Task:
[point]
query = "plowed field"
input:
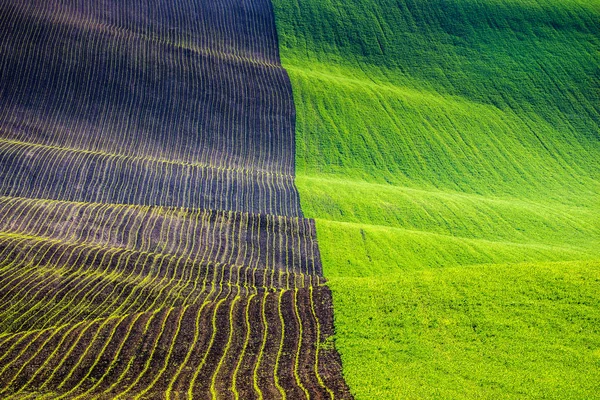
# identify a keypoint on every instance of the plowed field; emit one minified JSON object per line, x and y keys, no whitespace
{"x":152,"y":243}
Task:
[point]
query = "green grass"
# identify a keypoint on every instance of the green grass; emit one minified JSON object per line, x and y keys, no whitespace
{"x":450,"y":153}
{"x":473,"y":332}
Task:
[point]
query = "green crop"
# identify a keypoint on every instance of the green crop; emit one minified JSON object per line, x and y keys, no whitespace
{"x":449,"y":151}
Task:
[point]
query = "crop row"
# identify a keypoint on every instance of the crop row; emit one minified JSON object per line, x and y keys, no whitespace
{"x":152,"y":243}
{"x":268,"y":338}
{"x":68,"y":262}
{"x":235,"y":238}
{"x":54,"y":173}
{"x":126,"y":117}
{"x":244,"y":29}
{"x":138,"y":96}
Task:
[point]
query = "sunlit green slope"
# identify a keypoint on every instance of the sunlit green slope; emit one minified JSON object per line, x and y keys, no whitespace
{"x":450,"y":153}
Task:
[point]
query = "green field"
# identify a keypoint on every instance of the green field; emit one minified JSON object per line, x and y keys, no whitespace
{"x":449,"y":151}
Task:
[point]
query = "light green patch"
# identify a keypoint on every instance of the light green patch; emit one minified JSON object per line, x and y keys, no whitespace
{"x":496,"y":331}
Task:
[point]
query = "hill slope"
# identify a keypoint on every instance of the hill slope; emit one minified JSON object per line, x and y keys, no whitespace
{"x":152,"y":243}
{"x":449,"y":151}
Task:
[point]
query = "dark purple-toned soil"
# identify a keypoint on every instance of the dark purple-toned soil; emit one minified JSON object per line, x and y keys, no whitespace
{"x":152,"y":243}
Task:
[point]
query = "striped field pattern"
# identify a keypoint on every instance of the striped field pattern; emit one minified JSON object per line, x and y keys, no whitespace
{"x":152,"y":243}
{"x":156,"y":103}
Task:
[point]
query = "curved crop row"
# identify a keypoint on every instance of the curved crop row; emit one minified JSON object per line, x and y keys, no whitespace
{"x":152,"y":242}
{"x":128,"y":356}
{"x":183,"y":232}
{"x":169,"y":155}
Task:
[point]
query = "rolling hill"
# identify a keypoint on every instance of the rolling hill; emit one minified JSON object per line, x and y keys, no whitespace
{"x":449,"y":152}
{"x":166,"y":168}
{"x":152,"y":243}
